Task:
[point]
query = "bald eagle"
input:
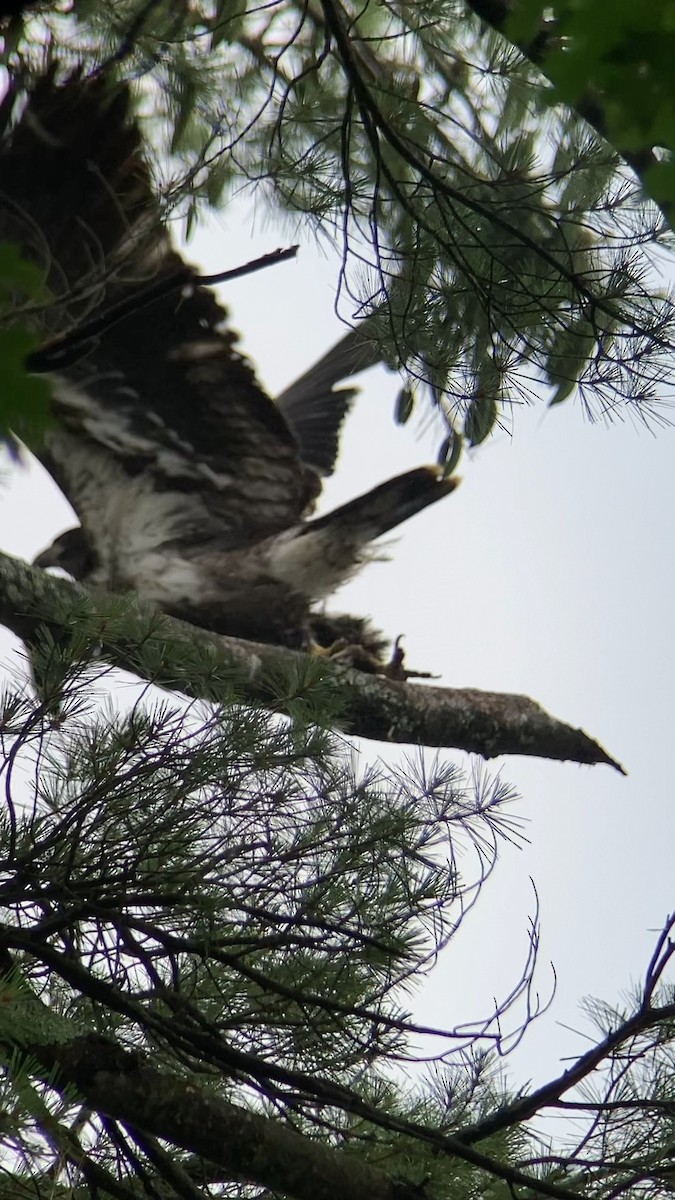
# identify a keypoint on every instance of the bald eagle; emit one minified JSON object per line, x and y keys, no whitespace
{"x":193,"y":488}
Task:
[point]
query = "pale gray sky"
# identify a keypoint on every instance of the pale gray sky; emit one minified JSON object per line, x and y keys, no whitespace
{"x":550,"y":572}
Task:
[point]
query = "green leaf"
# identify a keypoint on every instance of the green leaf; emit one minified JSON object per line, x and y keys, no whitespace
{"x":660,"y":181}
{"x":17,"y":274}
{"x":405,"y":403}
{"x":24,"y":398}
{"x":480,"y":418}
{"x":525,"y":21}
{"x":562,"y":392}
{"x":568,"y":357}
{"x":218,"y":178}
{"x":450,"y":452}
{"x":191,"y":219}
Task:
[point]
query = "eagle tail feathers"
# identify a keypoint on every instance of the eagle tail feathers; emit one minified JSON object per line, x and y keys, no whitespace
{"x":316,"y":558}
{"x":389,"y":504}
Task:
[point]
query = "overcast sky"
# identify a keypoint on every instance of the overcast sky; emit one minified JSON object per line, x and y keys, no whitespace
{"x":549,"y":573}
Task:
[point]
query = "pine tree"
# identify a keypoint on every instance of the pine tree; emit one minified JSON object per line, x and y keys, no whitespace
{"x":213,"y":919}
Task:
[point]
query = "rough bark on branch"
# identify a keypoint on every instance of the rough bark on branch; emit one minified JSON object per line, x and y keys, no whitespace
{"x":188,"y":1113}
{"x":251,"y":1147}
{"x":484,"y":723}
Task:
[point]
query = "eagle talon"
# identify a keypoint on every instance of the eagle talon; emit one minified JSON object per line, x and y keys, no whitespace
{"x":395,"y":669}
{"x":332,"y":651}
{"x":361,"y":658}
{"x":351,"y":654}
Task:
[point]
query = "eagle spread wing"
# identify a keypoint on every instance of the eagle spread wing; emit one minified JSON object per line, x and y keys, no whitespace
{"x":192,"y":487}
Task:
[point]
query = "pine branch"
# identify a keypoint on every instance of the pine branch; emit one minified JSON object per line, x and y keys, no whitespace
{"x":252,"y":1147}
{"x":589,"y":106}
{"x":188,"y":1113}
{"x":645,"y":1017}
{"x":379,"y":129}
{"x":154,"y":646}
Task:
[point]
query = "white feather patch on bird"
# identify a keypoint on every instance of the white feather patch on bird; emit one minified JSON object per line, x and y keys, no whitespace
{"x":137,"y":524}
{"x":316,"y":562}
{"x":166,"y":578}
{"x":113,"y":427}
{"x":196,"y":351}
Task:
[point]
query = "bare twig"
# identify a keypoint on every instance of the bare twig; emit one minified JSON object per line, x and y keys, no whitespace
{"x":65,"y":349}
{"x":645,"y":1017}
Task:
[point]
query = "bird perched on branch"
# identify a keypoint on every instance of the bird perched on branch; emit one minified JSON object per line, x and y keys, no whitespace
{"x":193,"y":488}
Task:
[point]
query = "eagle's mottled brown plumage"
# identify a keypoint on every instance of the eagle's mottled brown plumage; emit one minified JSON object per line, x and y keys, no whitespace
{"x":192,"y":487}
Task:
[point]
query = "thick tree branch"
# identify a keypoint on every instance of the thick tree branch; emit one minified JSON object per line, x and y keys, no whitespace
{"x":188,"y":1113}
{"x":251,"y":1147}
{"x":484,"y":723}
